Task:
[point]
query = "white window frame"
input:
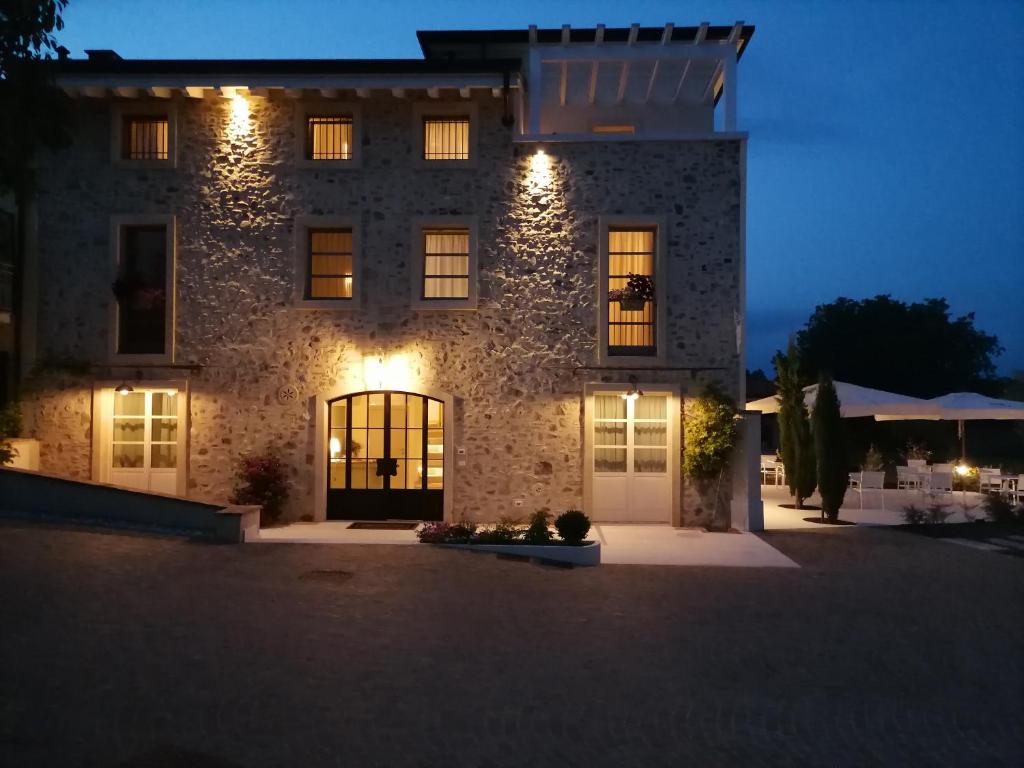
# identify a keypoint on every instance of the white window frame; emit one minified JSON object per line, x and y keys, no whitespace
{"x":422,"y":110}
{"x":421,"y":223}
{"x":103,"y":394}
{"x":302,"y":226}
{"x":308,"y":109}
{"x":120,"y":110}
{"x":657,"y":223}
{"x":117,"y":225}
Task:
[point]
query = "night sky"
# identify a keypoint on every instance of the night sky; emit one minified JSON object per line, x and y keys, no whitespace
{"x":886,"y":138}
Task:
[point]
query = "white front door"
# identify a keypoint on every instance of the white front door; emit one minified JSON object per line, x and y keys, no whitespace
{"x":144,"y":444}
{"x":631,"y":458}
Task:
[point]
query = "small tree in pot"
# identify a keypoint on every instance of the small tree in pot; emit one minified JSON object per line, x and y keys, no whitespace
{"x":709,"y":433}
{"x":830,"y":449}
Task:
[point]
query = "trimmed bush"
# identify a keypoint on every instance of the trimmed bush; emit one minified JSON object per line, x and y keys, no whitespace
{"x":830,"y":450}
{"x":538,"y":531}
{"x":573,"y":526}
{"x":796,"y":444}
{"x":1001,"y":510}
{"x":262,"y":481}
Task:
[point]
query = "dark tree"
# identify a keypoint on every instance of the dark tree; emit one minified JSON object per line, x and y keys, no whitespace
{"x":914,"y":349}
{"x":34,"y":114}
{"x":796,"y":444}
{"x":830,"y":450}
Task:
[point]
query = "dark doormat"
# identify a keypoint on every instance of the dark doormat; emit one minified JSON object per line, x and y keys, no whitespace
{"x":384,"y":526}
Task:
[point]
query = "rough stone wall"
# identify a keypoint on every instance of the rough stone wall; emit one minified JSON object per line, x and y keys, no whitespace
{"x":513,"y":365}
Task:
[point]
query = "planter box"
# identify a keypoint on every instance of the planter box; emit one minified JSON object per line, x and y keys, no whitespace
{"x":632,"y":305}
{"x":588,"y":553}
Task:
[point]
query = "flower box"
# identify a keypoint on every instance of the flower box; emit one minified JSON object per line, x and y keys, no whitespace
{"x":632,"y":304}
{"x":585,"y":554}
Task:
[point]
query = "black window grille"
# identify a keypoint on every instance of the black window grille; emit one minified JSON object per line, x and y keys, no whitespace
{"x":632,"y":324}
{"x":446,"y":138}
{"x":328,"y":137}
{"x":330,"y":264}
{"x":145,"y":137}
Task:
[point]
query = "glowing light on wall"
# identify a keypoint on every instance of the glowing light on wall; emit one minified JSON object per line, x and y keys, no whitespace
{"x":335,"y":447}
{"x":239,"y":123}
{"x":539,"y":176}
{"x":386,"y":372}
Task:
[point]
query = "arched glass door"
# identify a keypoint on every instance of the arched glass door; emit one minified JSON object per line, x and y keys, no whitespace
{"x":385,"y":457}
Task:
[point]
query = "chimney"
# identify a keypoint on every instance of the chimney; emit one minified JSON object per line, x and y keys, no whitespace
{"x":102,"y":55}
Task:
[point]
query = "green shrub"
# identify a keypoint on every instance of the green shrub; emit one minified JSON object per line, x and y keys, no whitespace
{"x":461,"y":532}
{"x":262,"y":480}
{"x":796,"y":443}
{"x":938,"y":513}
{"x":914,"y":515}
{"x":573,"y":526}
{"x":538,"y":532}
{"x":710,"y":434}
{"x":1000,"y":510}
{"x":505,"y":531}
{"x":10,"y":426}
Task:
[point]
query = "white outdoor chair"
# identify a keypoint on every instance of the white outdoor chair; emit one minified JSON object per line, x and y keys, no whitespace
{"x":990,"y":479}
{"x":921,"y":465}
{"x":943,"y":468}
{"x":854,"y":484}
{"x":907,"y":478}
{"x":1013,"y":489}
{"x":872,"y":481}
{"x":769,"y":468}
{"x":940,"y":482}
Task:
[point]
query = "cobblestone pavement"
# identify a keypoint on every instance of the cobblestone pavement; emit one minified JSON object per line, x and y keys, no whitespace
{"x":129,"y":650}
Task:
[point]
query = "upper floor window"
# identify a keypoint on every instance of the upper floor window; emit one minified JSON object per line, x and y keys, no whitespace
{"x":631,"y":297}
{"x":145,"y":137}
{"x":446,"y":137}
{"x":140,"y":288}
{"x":328,"y":137}
{"x":446,"y":263}
{"x":329,"y":273}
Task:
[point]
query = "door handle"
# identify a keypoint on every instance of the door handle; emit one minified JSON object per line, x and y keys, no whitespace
{"x":388,"y":467}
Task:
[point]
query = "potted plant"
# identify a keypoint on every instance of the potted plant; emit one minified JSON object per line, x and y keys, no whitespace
{"x":639,"y":289}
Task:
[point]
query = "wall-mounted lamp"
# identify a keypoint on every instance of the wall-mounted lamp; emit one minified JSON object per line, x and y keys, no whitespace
{"x":124,"y":388}
{"x":386,"y":372}
{"x":634,"y":392}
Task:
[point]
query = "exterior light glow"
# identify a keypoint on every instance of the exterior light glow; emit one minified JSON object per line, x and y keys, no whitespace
{"x":380,"y":372}
{"x":238,"y":121}
{"x":539,"y":176}
{"x":634,"y":392}
{"x":124,"y":388}
{"x":335,"y":447}
{"x":962,"y":469}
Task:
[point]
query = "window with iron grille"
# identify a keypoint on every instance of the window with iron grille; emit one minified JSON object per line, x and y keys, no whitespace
{"x":141,"y":290}
{"x":446,"y":138}
{"x":330,"y":264}
{"x":328,"y":137}
{"x":145,"y":137}
{"x":446,"y":263}
{"x":631,"y":323}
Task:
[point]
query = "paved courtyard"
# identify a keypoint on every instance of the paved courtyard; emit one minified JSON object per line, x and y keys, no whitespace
{"x":884,"y":648}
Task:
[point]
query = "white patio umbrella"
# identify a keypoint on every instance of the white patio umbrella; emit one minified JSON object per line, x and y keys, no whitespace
{"x":856,"y":402}
{"x":961,"y":407}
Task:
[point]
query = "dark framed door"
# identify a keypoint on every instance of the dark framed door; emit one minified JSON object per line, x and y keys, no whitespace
{"x":385,"y":457}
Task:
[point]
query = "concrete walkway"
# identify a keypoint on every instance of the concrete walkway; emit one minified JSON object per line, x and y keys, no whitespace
{"x":963,"y":507}
{"x":620,"y":544}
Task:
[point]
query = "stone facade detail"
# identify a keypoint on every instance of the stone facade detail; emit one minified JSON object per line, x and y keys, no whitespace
{"x":516,"y":366}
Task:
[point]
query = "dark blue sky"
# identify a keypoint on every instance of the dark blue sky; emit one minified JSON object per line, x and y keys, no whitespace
{"x":886,"y":138}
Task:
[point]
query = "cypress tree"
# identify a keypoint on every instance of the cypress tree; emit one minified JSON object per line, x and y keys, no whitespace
{"x":830,"y":449}
{"x":796,"y":443}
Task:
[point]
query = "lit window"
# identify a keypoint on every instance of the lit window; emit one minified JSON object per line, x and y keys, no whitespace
{"x":631,"y":318}
{"x":330,"y":264}
{"x":446,"y":138}
{"x":626,"y":129}
{"x":144,"y":137}
{"x":328,"y":138}
{"x":141,"y":291}
{"x":446,"y":263}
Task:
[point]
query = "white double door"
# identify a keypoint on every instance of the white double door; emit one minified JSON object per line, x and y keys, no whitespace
{"x":144,"y":443}
{"x":632,"y":458}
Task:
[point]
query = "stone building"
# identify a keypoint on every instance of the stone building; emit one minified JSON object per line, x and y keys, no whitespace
{"x":411,"y":279}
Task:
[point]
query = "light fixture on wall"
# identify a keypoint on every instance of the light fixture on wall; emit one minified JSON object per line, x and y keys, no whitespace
{"x":539,"y":175}
{"x":124,"y":388}
{"x":386,"y":372}
{"x":634,"y":392}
